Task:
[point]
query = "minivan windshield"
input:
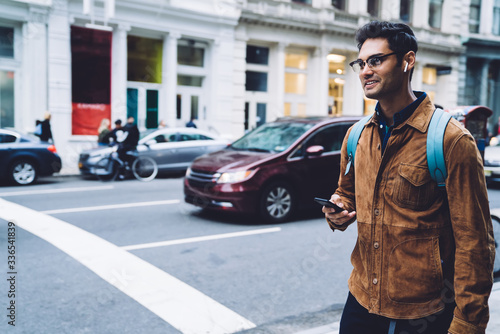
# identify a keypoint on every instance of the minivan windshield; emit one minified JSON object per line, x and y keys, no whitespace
{"x":272,"y":137}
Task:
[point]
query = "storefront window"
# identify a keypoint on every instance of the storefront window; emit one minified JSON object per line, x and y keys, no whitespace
{"x":435,"y":13}
{"x":474,"y":15}
{"x":6,"y":99}
{"x":144,"y":59}
{"x":257,"y":55}
{"x":335,"y":96}
{"x":496,"y":18}
{"x":336,"y":64}
{"x":295,"y":83}
{"x":190,"y":55}
{"x":405,"y":10}
{"x":256,"y":81}
{"x":6,"y":42}
{"x":91,"y":79}
{"x":296,"y":60}
{"x":429,"y":75}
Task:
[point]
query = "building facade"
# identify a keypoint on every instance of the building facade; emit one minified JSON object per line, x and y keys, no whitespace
{"x":229,"y":64}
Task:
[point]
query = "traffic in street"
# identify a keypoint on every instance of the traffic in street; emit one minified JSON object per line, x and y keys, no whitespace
{"x":132,"y":257}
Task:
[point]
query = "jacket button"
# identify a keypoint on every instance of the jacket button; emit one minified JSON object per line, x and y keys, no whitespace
{"x":376,"y":245}
{"x":377,"y":212}
{"x":375,"y":281}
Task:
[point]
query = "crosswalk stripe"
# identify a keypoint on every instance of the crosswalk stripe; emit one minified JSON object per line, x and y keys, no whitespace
{"x":111,"y":207}
{"x":177,"y":303}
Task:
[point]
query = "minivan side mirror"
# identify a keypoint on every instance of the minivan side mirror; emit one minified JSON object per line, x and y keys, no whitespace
{"x":315,"y":150}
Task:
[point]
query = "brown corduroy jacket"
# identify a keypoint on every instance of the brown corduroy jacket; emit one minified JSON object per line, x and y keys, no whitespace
{"x":418,"y":246}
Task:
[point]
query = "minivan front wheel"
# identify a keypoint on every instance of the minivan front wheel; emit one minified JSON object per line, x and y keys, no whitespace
{"x":277,"y":202}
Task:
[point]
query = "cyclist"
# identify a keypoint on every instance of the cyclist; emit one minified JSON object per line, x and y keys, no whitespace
{"x":127,"y":141}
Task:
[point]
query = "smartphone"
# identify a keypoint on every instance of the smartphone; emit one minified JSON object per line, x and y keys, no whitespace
{"x":328,"y":204}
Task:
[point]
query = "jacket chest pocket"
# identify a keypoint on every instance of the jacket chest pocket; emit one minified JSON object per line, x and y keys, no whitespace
{"x":414,"y":188}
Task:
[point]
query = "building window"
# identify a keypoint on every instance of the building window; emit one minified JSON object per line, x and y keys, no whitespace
{"x":257,"y":55}
{"x":296,"y":83}
{"x":144,"y":59}
{"x":435,"y":13}
{"x":256,"y":81}
{"x":6,"y":99}
{"x":189,"y":80}
{"x":405,"y":10}
{"x":305,"y":2}
{"x":339,"y":4}
{"x":496,"y":18}
{"x":190,"y":55}
{"x":373,"y":7}
{"x":429,"y":80}
{"x":474,"y":16}
{"x":6,"y":42}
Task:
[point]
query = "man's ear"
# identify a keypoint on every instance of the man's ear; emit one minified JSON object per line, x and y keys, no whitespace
{"x":409,"y":61}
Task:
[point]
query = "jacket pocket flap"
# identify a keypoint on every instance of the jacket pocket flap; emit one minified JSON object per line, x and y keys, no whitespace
{"x":416,"y":175}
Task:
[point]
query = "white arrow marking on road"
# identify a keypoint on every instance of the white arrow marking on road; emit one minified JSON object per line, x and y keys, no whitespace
{"x":110,"y":207}
{"x":179,"y":304}
{"x":204,"y":238}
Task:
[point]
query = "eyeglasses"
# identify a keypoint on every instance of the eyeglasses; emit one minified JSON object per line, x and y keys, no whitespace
{"x":358,"y":65}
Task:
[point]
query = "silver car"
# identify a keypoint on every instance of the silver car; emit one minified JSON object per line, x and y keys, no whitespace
{"x":173,"y":149}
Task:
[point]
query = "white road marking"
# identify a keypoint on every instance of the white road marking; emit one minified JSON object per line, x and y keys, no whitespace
{"x":53,"y":191}
{"x":111,"y":207}
{"x":204,"y":238}
{"x":182,"y":306}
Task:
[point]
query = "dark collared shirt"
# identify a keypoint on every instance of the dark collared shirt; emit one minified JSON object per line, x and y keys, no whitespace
{"x":400,"y":117}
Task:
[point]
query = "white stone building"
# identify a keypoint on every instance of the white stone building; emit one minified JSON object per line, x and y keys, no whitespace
{"x":231,"y":64}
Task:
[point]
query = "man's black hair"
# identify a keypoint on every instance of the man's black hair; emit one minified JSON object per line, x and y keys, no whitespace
{"x":118,"y":122}
{"x":399,"y":35}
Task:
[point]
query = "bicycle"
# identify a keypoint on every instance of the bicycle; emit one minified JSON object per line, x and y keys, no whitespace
{"x":142,"y":167}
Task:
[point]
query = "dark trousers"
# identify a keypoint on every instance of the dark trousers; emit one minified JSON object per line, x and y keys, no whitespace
{"x":356,"y":319}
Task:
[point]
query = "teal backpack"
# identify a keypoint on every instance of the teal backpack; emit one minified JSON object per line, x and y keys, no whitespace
{"x":435,"y":138}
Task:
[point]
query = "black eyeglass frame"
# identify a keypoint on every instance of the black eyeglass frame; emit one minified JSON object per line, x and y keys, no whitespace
{"x":361,"y":63}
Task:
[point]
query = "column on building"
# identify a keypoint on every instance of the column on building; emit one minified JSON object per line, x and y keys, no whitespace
{"x":34,"y":80}
{"x":486,"y":17}
{"x":420,"y":15}
{"x":280,"y":77}
{"x":318,"y":99}
{"x":483,"y":89}
{"x":168,"y":96}
{"x":389,"y":10}
{"x":353,"y":92}
{"x":119,"y":73}
{"x":357,"y":7}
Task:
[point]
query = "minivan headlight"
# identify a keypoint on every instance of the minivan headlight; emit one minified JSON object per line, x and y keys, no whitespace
{"x":234,"y":177}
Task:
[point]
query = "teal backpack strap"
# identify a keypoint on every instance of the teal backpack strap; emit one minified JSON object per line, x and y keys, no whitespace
{"x":435,"y":151}
{"x":352,"y":140}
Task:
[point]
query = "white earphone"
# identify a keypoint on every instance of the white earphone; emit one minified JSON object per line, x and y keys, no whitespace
{"x":406,"y":67}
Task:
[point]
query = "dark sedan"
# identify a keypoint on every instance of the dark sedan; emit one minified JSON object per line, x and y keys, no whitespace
{"x":173,"y":149}
{"x":24,"y":158}
{"x":273,"y":170}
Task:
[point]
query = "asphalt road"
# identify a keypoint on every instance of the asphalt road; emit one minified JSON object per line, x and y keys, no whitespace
{"x":260,"y":278}
{"x":132,"y":257}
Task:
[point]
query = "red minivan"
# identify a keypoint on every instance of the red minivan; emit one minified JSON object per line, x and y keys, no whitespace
{"x":272,"y":170}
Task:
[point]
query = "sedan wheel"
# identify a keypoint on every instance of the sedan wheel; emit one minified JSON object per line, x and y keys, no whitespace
{"x":23,"y":172}
{"x":277,"y":203}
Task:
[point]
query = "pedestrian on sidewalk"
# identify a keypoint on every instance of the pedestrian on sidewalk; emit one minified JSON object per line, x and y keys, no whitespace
{"x":423,"y":260}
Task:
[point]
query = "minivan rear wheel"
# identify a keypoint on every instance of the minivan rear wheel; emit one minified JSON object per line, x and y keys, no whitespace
{"x":277,"y":202}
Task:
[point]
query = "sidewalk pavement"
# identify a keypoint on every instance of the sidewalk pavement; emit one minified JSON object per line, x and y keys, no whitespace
{"x":493,"y":324}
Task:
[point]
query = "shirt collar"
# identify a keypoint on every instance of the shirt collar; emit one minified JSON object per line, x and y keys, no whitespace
{"x":401,"y":116}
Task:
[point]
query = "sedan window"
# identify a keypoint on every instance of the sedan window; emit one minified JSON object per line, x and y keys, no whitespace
{"x":272,"y":137}
{"x":6,"y":138}
{"x":330,"y":138}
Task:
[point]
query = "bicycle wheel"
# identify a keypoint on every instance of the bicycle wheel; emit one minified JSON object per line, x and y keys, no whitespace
{"x":144,"y":169}
{"x":106,"y":169}
{"x":496,"y":234}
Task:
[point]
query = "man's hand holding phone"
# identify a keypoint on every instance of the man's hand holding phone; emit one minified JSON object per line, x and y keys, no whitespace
{"x":335,"y":214}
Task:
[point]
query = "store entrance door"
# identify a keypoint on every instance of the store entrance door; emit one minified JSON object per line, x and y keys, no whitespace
{"x":189,"y":106}
{"x":142,"y":104}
